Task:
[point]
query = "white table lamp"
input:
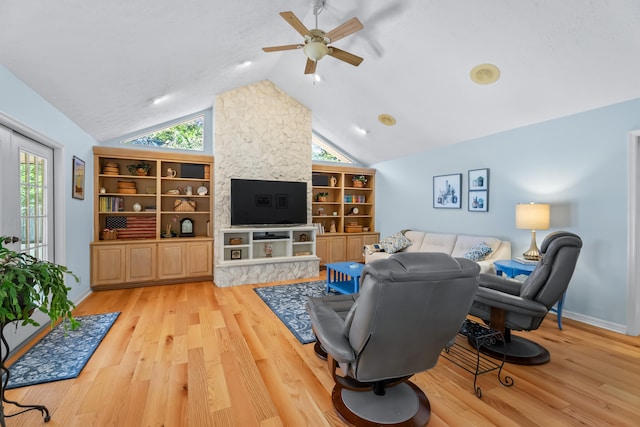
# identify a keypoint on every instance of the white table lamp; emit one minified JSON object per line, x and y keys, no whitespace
{"x":532,"y":216}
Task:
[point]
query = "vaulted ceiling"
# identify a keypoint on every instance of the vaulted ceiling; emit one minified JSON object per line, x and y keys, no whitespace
{"x":103,"y":63}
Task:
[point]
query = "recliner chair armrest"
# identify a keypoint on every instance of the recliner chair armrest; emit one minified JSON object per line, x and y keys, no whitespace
{"x":507,"y":302}
{"x":501,"y":284}
{"x":329,"y":328}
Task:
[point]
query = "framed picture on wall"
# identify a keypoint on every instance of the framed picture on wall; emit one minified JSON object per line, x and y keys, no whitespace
{"x":478,"y":201}
{"x":478,"y":179}
{"x":446,"y":191}
{"x":78,"y":179}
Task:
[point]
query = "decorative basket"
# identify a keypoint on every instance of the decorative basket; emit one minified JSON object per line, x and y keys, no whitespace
{"x":184,"y":205}
{"x":109,"y":235}
{"x":235,"y":240}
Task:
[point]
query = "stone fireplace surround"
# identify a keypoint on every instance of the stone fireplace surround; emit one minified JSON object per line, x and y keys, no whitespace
{"x":260,"y":133}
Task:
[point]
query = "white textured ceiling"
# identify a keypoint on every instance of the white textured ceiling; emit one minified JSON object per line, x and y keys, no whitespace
{"x":102,"y":62}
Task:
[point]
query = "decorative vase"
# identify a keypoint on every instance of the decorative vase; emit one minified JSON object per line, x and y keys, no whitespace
{"x":358,"y":184}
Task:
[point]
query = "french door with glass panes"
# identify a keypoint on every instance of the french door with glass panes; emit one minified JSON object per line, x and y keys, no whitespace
{"x":26,"y":195}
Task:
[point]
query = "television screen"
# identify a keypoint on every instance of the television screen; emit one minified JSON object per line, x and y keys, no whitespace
{"x":259,"y":202}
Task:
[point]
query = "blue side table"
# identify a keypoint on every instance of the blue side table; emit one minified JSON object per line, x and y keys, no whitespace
{"x":513,"y":268}
{"x":344,"y":277}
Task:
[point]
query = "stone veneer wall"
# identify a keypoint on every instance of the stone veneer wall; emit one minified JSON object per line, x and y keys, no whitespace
{"x":260,"y":133}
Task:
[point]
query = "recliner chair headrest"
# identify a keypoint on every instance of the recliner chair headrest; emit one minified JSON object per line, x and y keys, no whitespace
{"x":408,"y":266}
{"x":565,"y":237}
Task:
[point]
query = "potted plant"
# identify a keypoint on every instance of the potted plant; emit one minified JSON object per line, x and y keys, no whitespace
{"x":359,"y":181}
{"x":28,"y":284}
{"x":141,"y":168}
{"x":322,"y":196}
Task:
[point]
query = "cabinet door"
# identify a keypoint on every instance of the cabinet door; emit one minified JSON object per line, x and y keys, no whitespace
{"x":354,"y":248}
{"x":322,"y":249}
{"x":107,"y":265}
{"x":141,"y":262}
{"x":172,"y":260}
{"x":199,"y":259}
{"x":338,"y":249}
{"x":370,"y":239}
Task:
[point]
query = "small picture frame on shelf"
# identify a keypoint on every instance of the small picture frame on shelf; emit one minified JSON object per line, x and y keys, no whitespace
{"x":478,"y":179}
{"x":478,"y":201}
{"x":236,"y":253}
{"x":446,"y":191}
{"x":186,"y":227}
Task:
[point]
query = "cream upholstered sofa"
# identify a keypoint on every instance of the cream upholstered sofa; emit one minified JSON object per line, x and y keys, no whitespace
{"x":456,"y":245}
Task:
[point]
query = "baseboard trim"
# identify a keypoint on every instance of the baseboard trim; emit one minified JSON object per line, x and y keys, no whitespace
{"x":615,"y":327}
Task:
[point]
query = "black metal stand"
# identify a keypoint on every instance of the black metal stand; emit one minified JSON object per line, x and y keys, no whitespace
{"x":4,"y":371}
{"x":470,"y":359}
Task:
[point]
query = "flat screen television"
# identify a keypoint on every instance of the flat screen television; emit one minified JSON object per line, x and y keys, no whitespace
{"x":266,"y":203}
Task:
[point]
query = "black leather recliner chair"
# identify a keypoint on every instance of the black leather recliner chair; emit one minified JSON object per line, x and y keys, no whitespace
{"x":508,"y":305}
{"x":409,"y":307}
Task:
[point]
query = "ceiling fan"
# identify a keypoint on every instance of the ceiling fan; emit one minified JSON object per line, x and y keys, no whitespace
{"x":316,"y":41}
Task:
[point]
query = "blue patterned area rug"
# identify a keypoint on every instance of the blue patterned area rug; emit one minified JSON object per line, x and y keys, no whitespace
{"x":287,"y":302}
{"x":61,"y":354}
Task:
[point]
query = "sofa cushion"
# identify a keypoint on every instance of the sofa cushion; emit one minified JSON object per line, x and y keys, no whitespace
{"x":416,"y":238}
{"x":394,"y":243}
{"x":465,"y":243}
{"x":478,"y":252}
{"x":436,"y":242}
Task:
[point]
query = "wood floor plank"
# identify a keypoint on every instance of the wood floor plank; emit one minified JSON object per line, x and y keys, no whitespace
{"x":198,"y":355}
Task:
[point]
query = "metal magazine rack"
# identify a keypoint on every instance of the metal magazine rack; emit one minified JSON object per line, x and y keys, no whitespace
{"x":470,"y":359}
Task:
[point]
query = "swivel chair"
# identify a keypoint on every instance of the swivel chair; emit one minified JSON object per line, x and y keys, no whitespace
{"x":508,"y":305}
{"x":408,"y":308}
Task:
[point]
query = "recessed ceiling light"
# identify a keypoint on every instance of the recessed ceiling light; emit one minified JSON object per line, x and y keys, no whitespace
{"x":245,"y":64}
{"x":361,"y":131}
{"x":159,"y":99}
{"x":485,"y":74}
{"x":387,"y":119}
{"x":317,"y":78}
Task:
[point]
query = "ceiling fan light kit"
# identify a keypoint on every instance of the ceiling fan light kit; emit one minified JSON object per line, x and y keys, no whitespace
{"x":485,"y":74}
{"x":316,"y":42}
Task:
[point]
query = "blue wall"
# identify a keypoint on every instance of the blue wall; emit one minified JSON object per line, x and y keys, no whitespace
{"x":578,"y":164}
{"x":25,"y":106}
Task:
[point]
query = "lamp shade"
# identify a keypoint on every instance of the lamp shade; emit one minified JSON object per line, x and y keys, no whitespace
{"x":533,"y":216}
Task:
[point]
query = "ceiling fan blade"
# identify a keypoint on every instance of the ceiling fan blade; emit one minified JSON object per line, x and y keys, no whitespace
{"x":345,"y":56}
{"x":295,"y":23}
{"x":341,"y":31}
{"x":310,"y":68}
{"x":283,"y":47}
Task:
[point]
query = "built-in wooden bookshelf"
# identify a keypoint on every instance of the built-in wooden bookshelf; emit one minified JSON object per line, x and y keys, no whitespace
{"x":154,"y":225}
{"x":343,"y":207}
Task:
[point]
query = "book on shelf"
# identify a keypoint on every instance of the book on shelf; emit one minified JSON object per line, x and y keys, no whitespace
{"x":525,"y":261}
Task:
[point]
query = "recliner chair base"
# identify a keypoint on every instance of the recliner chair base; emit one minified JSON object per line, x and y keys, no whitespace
{"x":402,"y":405}
{"x":517,"y":350}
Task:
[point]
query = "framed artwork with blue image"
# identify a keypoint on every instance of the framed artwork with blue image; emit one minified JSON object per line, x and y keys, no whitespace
{"x":447,"y":191}
{"x":478,"y":201}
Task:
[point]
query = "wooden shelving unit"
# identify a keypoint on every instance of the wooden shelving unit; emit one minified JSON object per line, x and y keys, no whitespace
{"x":342,"y":204}
{"x":133,"y":214}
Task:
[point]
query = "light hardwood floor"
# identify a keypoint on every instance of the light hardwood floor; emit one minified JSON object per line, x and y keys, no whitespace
{"x":199,"y":355}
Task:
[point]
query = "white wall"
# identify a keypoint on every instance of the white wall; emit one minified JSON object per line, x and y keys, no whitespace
{"x":578,"y":164}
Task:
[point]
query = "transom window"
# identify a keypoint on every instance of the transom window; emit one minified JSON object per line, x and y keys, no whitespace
{"x":187,"y":135}
{"x":324,"y":151}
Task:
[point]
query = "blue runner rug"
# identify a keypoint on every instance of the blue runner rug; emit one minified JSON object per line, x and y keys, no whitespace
{"x":61,"y":354}
{"x":287,"y":302}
